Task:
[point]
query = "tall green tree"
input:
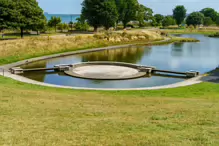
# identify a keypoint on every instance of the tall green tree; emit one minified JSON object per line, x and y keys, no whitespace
{"x":209,"y":12}
{"x":28,"y":15}
{"x":7,"y":13}
{"x":217,"y":21}
{"x":158,"y":19}
{"x":179,"y":14}
{"x":143,"y":14}
{"x":127,"y":10}
{"x":81,"y":24}
{"x":109,"y":14}
{"x":54,"y":22}
{"x":41,"y":25}
{"x":100,"y":13}
{"x":168,"y":20}
{"x":195,"y":18}
{"x":208,"y":21}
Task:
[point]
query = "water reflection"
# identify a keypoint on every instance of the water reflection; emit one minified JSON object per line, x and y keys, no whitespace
{"x":129,"y":55}
{"x":177,"y":49}
{"x":38,"y":76}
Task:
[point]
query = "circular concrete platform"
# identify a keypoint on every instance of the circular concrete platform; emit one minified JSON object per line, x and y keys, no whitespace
{"x":105,"y":71}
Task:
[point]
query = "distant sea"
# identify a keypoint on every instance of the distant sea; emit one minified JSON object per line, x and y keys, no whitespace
{"x":66,"y":18}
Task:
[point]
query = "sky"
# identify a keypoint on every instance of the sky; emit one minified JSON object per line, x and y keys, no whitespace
{"x":163,"y":7}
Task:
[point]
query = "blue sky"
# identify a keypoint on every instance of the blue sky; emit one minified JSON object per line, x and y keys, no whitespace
{"x":159,"y":6}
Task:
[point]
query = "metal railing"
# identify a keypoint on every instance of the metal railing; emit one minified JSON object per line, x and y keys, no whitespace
{"x":2,"y":71}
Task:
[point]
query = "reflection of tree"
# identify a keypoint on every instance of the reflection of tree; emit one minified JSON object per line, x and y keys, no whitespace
{"x":177,"y":49}
{"x":129,"y":55}
{"x":38,"y":64}
{"x":38,"y":75}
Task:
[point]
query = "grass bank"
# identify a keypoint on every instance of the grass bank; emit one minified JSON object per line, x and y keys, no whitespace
{"x":36,"y":115}
{"x":20,"y":49}
{"x":204,"y":31}
{"x":215,"y":35}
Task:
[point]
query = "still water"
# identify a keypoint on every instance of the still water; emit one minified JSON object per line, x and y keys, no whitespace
{"x":202,"y":57}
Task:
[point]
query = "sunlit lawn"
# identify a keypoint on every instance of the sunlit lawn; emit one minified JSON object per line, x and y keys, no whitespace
{"x":35,"y":115}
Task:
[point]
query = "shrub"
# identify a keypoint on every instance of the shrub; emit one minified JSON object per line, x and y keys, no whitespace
{"x":215,"y":35}
{"x":130,"y":25}
{"x":191,"y":27}
{"x":82,"y":26}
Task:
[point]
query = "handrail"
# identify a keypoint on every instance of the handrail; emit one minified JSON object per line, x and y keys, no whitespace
{"x":3,"y":71}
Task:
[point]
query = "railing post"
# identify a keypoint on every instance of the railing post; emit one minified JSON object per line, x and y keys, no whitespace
{"x":3,"y":71}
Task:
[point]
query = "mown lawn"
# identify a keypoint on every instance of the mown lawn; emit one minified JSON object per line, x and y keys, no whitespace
{"x":36,"y":115}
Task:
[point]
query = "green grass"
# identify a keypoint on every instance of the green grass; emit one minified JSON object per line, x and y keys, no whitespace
{"x":189,"y":31}
{"x":36,"y":115}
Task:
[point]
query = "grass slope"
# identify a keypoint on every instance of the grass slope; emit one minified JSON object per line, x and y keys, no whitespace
{"x":36,"y":115}
{"x":206,"y":31}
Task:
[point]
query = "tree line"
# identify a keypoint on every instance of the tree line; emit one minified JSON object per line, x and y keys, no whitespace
{"x":27,"y":15}
{"x":108,"y":13}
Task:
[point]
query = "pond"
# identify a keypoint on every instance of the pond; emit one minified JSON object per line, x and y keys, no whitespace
{"x":202,"y":57}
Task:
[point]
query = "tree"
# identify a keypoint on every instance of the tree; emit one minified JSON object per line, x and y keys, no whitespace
{"x":143,"y":14}
{"x":6,"y":11}
{"x":179,"y":14}
{"x":127,"y":10}
{"x":109,"y":14}
{"x":54,"y":22}
{"x":100,"y":13}
{"x":81,"y":24}
{"x":217,"y":21}
{"x":208,"y":21}
{"x":28,"y":15}
{"x":168,"y":20}
{"x":41,"y":25}
{"x":63,"y":26}
{"x":71,"y":25}
{"x":209,"y":12}
{"x":22,"y":14}
{"x":158,"y":18}
{"x":195,"y":18}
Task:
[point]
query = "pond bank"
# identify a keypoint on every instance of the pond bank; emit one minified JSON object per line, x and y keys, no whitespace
{"x":165,"y":41}
{"x":21,"y":49}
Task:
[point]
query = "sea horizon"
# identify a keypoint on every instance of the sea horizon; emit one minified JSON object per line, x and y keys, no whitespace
{"x":66,"y":18}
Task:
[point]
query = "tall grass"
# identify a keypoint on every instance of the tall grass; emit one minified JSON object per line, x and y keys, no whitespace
{"x":205,"y":31}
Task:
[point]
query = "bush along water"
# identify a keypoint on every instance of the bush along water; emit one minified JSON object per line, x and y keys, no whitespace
{"x":215,"y":35}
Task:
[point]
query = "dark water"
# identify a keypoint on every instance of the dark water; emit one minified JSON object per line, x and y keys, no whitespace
{"x":66,"y":18}
{"x":202,"y":57}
